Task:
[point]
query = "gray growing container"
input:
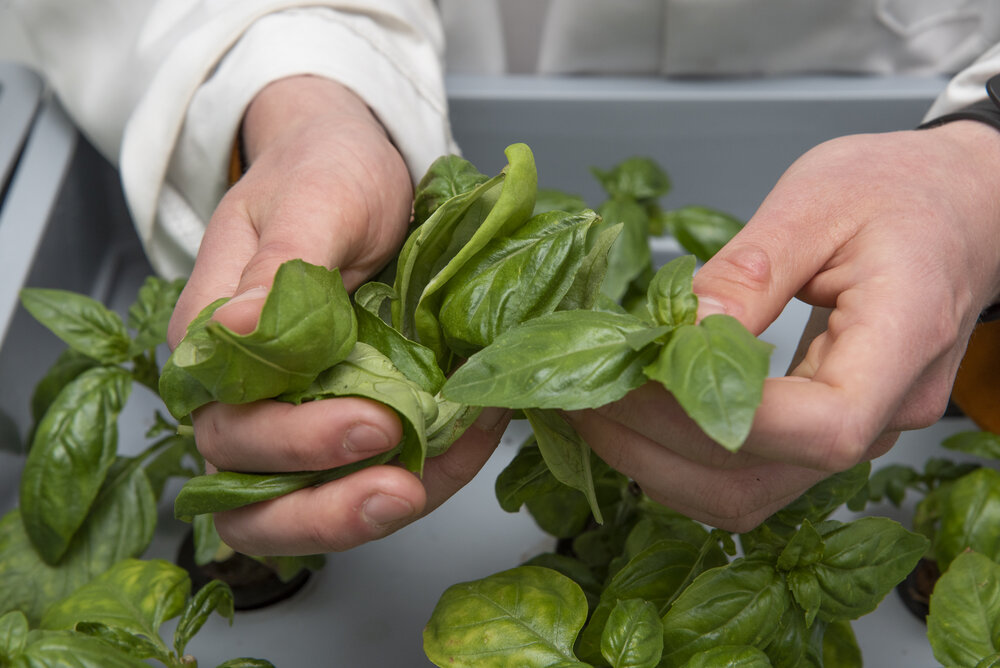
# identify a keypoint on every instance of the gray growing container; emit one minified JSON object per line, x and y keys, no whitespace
{"x":63,"y":224}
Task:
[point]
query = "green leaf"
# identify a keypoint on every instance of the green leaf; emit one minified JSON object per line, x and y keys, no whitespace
{"x":207,"y":541}
{"x":656,"y":575}
{"x":227,"y":490}
{"x":447,"y":177}
{"x":453,"y":419}
{"x":85,"y":324}
{"x":840,"y":646}
{"x":526,"y":477}
{"x":548,"y":199}
{"x":565,"y":453}
{"x":891,"y":482}
{"x":969,"y":517}
{"x":127,"y":643}
{"x":639,"y":178}
{"x":730,"y":656}
{"x":585,"y":290}
{"x":862,"y":562}
{"x":135,"y":596}
{"x":804,"y":549}
{"x":566,"y":359}
{"x":72,"y":450}
{"x":979,"y":443}
{"x":702,"y":231}
{"x":216,"y":596}
{"x":490,"y":295}
{"x":120,"y":525}
{"x":716,"y":371}
{"x":68,"y":649}
{"x":630,"y":254}
{"x":633,"y":635}
{"x":414,"y":361}
{"x":738,"y":604}
{"x":575,"y":570}
{"x":816,"y":504}
{"x":805,"y":587}
{"x":512,"y":208}
{"x":150,"y":314}
{"x":13,"y":635}
{"x":670,"y":297}
{"x":307,"y":325}
{"x":526,"y":616}
{"x":964,"y":621}
{"x":368,"y":373}
{"x":70,"y":364}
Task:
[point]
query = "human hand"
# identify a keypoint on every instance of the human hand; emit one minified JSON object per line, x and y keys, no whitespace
{"x":325,"y":184}
{"x":896,"y":238}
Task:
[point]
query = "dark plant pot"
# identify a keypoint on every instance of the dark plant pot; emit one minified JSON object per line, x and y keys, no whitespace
{"x":916,"y":589}
{"x":254,"y":584}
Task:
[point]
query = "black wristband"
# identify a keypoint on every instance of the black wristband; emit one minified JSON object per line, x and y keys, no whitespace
{"x":985,"y":111}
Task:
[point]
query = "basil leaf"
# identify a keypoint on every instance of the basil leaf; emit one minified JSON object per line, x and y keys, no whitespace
{"x":13,"y":635}
{"x":630,"y":254}
{"x":227,"y":490}
{"x":513,"y":206}
{"x":72,"y":450}
{"x":150,"y":314}
{"x":566,"y":360}
{"x":585,"y":290}
{"x":447,"y":177}
{"x":633,"y":635}
{"x":119,"y":525}
{"x":738,"y":604}
{"x":70,"y":364}
{"x":85,"y":324}
{"x":215,"y":596}
{"x":368,"y":373}
{"x":862,"y":561}
{"x":307,"y":325}
{"x":526,"y":477}
{"x":840,"y":646}
{"x":415,"y":361}
{"x":700,"y":230}
{"x":127,"y":643}
{"x":488,"y":294}
{"x":566,"y":454}
{"x":969,"y":516}
{"x":526,"y":616}
{"x":575,"y":570}
{"x":731,"y":656}
{"x":207,"y":541}
{"x":453,"y":419}
{"x":549,"y":199}
{"x":716,"y":371}
{"x":979,"y":443}
{"x":135,"y":596}
{"x":964,"y":621}
{"x":68,"y":649}
{"x":655,"y":575}
{"x":639,"y":178}
{"x":670,"y":298}
{"x":804,"y":549}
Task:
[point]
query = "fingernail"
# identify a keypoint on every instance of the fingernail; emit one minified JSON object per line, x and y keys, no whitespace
{"x":709,"y":306}
{"x":364,"y":438}
{"x":382,"y":509}
{"x":491,"y":419}
{"x":260,"y":292}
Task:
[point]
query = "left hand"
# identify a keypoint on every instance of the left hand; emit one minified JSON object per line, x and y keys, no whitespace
{"x":898,"y":235}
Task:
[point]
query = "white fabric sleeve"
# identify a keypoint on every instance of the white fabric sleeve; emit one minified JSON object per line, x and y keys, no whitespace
{"x":968,"y":86}
{"x":160,"y":86}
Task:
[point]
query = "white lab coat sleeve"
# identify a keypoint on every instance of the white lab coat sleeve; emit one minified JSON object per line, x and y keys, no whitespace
{"x":160,"y":87}
{"x":968,"y":86}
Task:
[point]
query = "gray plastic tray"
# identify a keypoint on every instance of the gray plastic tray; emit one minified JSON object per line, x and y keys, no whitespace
{"x":724,"y":143}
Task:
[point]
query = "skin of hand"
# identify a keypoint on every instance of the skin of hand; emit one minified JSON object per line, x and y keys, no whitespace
{"x":325,"y":184}
{"x":895,"y":240}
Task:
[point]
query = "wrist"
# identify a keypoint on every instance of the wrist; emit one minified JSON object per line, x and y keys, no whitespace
{"x":287,"y":107}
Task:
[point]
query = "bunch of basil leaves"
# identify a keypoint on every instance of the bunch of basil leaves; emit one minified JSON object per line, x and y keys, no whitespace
{"x":496,"y":299}
{"x":74,"y":589}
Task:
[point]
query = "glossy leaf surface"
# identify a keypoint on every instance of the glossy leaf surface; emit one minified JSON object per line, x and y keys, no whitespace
{"x":964,"y":621}
{"x":85,"y":324}
{"x":526,"y":616}
{"x":633,"y":635}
